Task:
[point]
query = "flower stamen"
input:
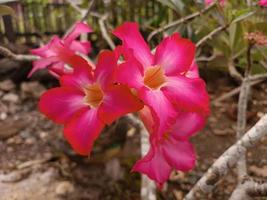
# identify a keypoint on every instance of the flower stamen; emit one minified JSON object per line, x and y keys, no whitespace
{"x":154,"y":77}
{"x":93,"y":95}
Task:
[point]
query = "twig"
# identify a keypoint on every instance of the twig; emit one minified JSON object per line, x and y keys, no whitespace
{"x":180,"y":21}
{"x":83,"y":13}
{"x":242,"y":115}
{"x":148,"y":187}
{"x":17,"y":57}
{"x":86,"y":14}
{"x":236,"y":91}
{"x":228,"y":159}
{"x":233,"y":72}
{"x":104,"y":31}
{"x":211,"y":34}
{"x":205,"y":59}
{"x":241,"y":125}
{"x":249,"y":189}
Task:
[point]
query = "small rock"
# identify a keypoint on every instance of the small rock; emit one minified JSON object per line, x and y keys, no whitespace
{"x":43,"y":135}
{"x":31,"y":89}
{"x":30,"y":141}
{"x":259,"y":171}
{"x":113,"y":169}
{"x":11,"y":97}
{"x":3,"y":115}
{"x":64,"y":187}
{"x":178,"y":194}
{"x":7,"y":85}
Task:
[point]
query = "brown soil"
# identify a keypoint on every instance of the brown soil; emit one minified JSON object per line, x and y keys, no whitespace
{"x":37,"y":163}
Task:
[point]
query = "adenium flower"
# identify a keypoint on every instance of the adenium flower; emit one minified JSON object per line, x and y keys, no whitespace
{"x":50,"y":56}
{"x":208,"y":2}
{"x":161,"y":80}
{"x":172,"y":150}
{"x":262,"y":2}
{"x":87,"y":100}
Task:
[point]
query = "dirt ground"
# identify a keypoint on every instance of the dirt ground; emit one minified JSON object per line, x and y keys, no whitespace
{"x":37,"y":163}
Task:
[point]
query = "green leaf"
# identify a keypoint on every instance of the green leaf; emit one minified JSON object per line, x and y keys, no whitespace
{"x":240,"y":17}
{"x":6,"y":10}
{"x":176,"y":5}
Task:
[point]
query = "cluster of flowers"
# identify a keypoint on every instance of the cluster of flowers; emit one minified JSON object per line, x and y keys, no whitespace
{"x":163,"y":86}
{"x":222,"y":2}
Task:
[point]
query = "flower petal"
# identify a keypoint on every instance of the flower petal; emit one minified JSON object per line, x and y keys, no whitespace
{"x":187,"y":94}
{"x":162,"y":110}
{"x":81,"y":47}
{"x":147,"y":118}
{"x":82,"y":130}
{"x":118,"y":101}
{"x":129,"y":73}
{"x":59,"y":69}
{"x":179,"y":154}
{"x":154,"y":166}
{"x":132,"y":38}
{"x":193,"y":71}
{"x":175,"y":54}
{"x":59,"y":104}
{"x":106,"y":64}
{"x":187,"y":124}
{"x":77,"y":30}
{"x":42,"y":63}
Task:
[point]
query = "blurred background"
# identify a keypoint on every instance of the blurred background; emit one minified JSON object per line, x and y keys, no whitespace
{"x":35,"y":160}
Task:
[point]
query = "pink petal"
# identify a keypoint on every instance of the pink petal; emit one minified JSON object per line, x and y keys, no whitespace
{"x":106,"y":64}
{"x":45,"y":50}
{"x":77,"y":30}
{"x":187,"y":94}
{"x":179,"y":154}
{"x":59,"y":69}
{"x":175,"y":54}
{"x":154,"y":166}
{"x":118,"y":101}
{"x":81,"y":47}
{"x":80,"y":78}
{"x":162,"y":110}
{"x":147,"y":118}
{"x":262,"y":2}
{"x":187,"y":124}
{"x":42,"y":63}
{"x":59,"y":104}
{"x":132,"y":38}
{"x":82,"y":130}
{"x":193,"y":71}
{"x":129,"y":73}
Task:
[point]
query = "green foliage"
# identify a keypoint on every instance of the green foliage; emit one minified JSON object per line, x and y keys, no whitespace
{"x":230,"y":43}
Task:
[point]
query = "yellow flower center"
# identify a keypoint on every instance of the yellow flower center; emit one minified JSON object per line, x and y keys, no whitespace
{"x":93,"y":95}
{"x":154,"y":77}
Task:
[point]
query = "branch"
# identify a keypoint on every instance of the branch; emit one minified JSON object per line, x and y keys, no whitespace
{"x":237,"y":90}
{"x":249,"y":189}
{"x":104,"y":31}
{"x":233,"y":72}
{"x":148,"y":187}
{"x":180,"y":21}
{"x":228,"y":159}
{"x":17,"y":57}
{"x":86,"y":14}
{"x":211,"y":34}
{"x":241,"y":125}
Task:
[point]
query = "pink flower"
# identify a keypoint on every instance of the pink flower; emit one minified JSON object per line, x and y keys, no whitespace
{"x":87,"y":100}
{"x":262,"y":2}
{"x":162,"y":80}
{"x":172,"y":151}
{"x":50,"y":54}
{"x":208,"y":2}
